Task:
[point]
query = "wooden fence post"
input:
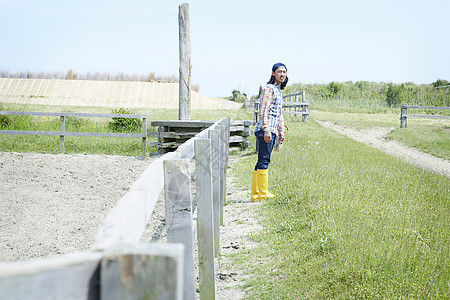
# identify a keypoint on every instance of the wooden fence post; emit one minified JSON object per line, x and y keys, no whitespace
{"x":142,"y":271}
{"x":184,"y":109}
{"x":177,"y":187}
{"x":226,"y":145}
{"x":306,"y":111}
{"x":221,"y":170}
{"x":215,"y":165}
{"x":144,"y":137}
{"x":205,"y":221}
{"x":62,"y":128}
{"x":404,"y":115}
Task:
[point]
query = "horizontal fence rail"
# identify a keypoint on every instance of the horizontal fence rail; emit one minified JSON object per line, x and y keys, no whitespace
{"x":404,"y":113}
{"x":118,"y":266}
{"x":63,"y":133}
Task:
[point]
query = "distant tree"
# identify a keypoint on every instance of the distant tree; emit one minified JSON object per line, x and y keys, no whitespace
{"x":237,"y":96}
{"x":440,"y":82}
{"x":393,"y":94}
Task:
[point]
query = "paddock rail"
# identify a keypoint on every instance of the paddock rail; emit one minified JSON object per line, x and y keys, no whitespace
{"x":62,"y":127}
{"x":118,"y":265}
{"x":404,"y":113}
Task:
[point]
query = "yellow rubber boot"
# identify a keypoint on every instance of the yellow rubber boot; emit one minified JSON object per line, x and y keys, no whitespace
{"x":263,"y":185}
{"x":255,"y":186}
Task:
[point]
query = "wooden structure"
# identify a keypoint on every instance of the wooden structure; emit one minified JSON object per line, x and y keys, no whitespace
{"x":404,"y":113}
{"x":117,"y":266}
{"x":291,"y":105}
{"x":62,"y":127}
{"x":184,"y":85}
{"x":171,"y":134}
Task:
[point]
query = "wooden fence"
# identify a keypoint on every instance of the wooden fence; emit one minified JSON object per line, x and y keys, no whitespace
{"x":404,"y":113}
{"x":119,"y":267}
{"x":62,"y":126}
{"x":291,"y":105}
{"x":171,"y":134}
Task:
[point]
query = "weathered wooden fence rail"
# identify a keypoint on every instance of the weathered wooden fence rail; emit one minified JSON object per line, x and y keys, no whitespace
{"x":62,"y":127}
{"x":291,"y":105}
{"x":404,"y":113}
{"x":171,"y":134}
{"x":118,"y":266}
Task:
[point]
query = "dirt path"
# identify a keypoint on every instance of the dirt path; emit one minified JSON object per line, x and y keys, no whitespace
{"x":375,"y":137}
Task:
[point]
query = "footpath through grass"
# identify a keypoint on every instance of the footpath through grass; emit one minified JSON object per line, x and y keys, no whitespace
{"x":348,"y":222}
{"x":428,"y":135}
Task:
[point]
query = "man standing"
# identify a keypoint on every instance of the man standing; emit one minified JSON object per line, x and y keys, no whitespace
{"x":270,"y":125}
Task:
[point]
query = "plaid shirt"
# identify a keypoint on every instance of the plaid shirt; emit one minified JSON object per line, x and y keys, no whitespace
{"x":270,"y":113}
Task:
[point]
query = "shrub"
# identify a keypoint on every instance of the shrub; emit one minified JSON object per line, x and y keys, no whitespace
{"x":334,"y":88}
{"x":237,"y":96}
{"x":5,"y":120}
{"x":124,"y":124}
{"x":393,"y":95}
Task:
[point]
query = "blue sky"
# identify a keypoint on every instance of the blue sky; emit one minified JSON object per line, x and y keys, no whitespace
{"x":234,"y":43}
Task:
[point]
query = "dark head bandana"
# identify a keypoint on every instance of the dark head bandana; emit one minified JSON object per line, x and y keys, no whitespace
{"x":277,"y":65}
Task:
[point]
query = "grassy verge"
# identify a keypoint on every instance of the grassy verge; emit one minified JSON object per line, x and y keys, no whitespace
{"x":428,"y":135}
{"x":90,"y":145}
{"x":349,"y":222}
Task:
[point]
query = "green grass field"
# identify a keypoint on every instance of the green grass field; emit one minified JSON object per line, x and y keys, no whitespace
{"x":348,"y":222}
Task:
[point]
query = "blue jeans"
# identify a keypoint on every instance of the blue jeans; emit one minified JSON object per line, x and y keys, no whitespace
{"x":264,"y":150}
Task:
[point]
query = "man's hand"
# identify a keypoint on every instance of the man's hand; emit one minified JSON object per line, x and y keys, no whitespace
{"x":267,"y":136}
{"x":281,"y":139}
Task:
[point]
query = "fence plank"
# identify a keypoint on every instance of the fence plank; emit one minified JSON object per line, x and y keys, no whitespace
{"x":72,"y":276}
{"x":205,"y":221}
{"x":128,"y":272}
{"x":177,"y":187}
{"x":68,"y":114}
{"x":68,"y":133}
{"x":221,"y":171}
{"x":215,"y":165}
{"x":127,"y":220}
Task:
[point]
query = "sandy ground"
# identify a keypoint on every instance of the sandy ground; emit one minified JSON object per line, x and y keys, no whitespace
{"x":375,"y":137}
{"x":116,"y":94}
{"x":54,"y":204}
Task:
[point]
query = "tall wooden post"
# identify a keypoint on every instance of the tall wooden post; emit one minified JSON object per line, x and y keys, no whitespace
{"x":184,"y":109}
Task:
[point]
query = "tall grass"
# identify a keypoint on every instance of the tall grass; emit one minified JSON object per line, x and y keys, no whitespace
{"x":348,"y":222}
{"x":103,"y":76}
{"x":373,"y":97}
